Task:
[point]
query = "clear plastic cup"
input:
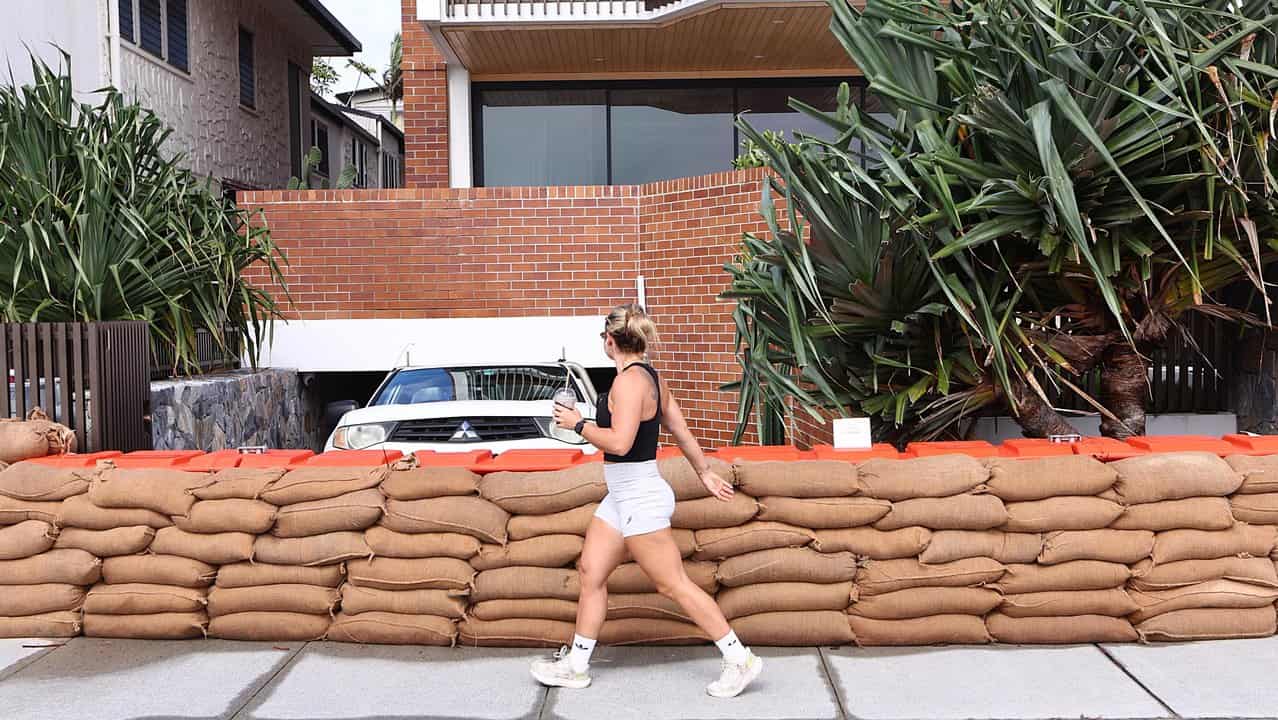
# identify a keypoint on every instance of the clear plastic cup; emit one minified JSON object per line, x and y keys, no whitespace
{"x":566,"y":397}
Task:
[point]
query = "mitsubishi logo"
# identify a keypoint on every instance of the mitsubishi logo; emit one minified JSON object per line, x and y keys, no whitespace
{"x":464,"y":432}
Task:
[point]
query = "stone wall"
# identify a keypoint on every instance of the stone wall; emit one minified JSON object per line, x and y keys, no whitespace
{"x":226,"y":410}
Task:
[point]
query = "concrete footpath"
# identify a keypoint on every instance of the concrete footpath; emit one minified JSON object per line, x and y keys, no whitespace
{"x":91,"y":678}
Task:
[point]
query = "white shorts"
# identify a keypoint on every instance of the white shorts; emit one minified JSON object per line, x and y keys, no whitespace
{"x":639,"y":500}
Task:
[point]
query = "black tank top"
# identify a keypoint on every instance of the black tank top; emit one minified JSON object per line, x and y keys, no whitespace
{"x":645,"y":445}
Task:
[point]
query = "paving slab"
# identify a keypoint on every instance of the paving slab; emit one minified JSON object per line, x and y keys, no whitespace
{"x":986,"y":682}
{"x":652,"y":682}
{"x":337,"y":680}
{"x":17,"y":653}
{"x":104,"y":679}
{"x":1225,"y":678}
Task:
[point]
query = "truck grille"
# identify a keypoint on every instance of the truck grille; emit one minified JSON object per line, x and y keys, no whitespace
{"x":488,"y":429}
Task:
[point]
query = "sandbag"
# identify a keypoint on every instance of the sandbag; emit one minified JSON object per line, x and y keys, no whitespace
{"x":143,"y":599}
{"x":685,"y":481}
{"x":385,"y":628}
{"x":246,"y":574}
{"x":1172,"y":476}
{"x":568,"y":522}
{"x":1202,"y":513}
{"x":1209,"y":624}
{"x":1061,"y":513}
{"x":885,"y":576}
{"x":720,"y":543}
{"x":823,"y":513}
{"x":21,"y":600}
{"x":1059,"y":630}
{"x":801,"y":479}
{"x":239,"y":483}
{"x":874,"y":544}
{"x":277,"y":626}
{"x":353,"y":511}
{"x":745,"y":600}
{"x":1242,"y":540}
{"x":410,"y":573}
{"x":1211,"y":594}
{"x":69,"y":567}
{"x":320,"y":483}
{"x":1259,"y":509}
{"x":40,"y":482}
{"x":646,"y":631}
{"x":654,"y":606}
{"x":1014,"y":480}
{"x":539,"y":608}
{"x":27,"y":538}
{"x":80,"y":512}
{"x":787,"y":565}
{"x":63,"y":624}
{"x":519,"y":583}
{"x":542,"y":493}
{"x":466,"y":515}
{"x":160,"y":489}
{"x":924,"y":601}
{"x":685,"y":540}
{"x":444,"y":603}
{"x":157,"y":570}
{"x":421,"y":483}
{"x":1114,"y":602}
{"x":930,"y":630}
{"x":950,"y":545}
{"x":230,"y":515}
{"x":1073,"y":575}
{"x":326,"y":549}
{"x":518,"y":632}
{"x":214,"y":549}
{"x":155,"y":626}
{"x":13,"y":511}
{"x":306,"y":599}
{"x":789,"y":629}
{"x":959,"y":512}
{"x":1259,"y":472}
{"x":711,"y":512}
{"x":926,"y":477}
{"x":1257,"y":571}
{"x":38,"y":437}
{"x":388,"y":543}
{"x":630,"y":578}
{"x":107,"y":543}
{"x":542,"y":551}
{"x":1119,"y":546}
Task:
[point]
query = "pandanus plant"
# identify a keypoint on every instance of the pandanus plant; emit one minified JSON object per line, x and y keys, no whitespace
{"x":1051,"y":188}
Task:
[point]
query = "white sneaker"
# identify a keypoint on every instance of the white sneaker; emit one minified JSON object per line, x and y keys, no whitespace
{"x":556,"y":671}
{"x":735,"y":678}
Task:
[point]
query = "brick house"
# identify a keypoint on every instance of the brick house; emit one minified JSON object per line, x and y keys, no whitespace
{"x":560,"y":158}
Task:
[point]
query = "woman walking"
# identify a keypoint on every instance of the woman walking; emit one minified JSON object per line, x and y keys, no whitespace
{"x":635,"y":514}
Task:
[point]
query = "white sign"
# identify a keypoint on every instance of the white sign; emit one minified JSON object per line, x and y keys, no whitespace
{"x":852,"y":434}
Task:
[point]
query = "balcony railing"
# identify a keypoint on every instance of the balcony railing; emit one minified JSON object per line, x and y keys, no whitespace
{"x":558,"y":9}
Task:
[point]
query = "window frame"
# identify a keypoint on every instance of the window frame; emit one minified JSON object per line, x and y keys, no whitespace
{"x":239,"y":57}
{"x":133,"y":35}
{"x":858,"y":85}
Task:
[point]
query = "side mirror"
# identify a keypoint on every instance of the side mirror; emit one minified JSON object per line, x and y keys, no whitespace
{"x":332,"y":415}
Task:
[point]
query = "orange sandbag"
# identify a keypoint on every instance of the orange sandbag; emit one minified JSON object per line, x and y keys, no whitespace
{"x":925,"y":601}
{"x":384,"y":628}
{"x":1200,"y":513}
{"x":1114,"y":602}
{"x":959,"y":512}
{"x":154,"y":626}
{"x":874,"y":544}
{"x":1073,"y":575}
{"x":421,"y":483}
{"x":410,"y":573}
{"x":1242,"y":540}
{"x":622,"y":606}
{"x":385,"y":542}
{"x":305,"y":599}
{"x":107,"y":543}
{"x":1062,"y":513}
{"x":354,"y":511}
{"x":745,"y":600}
{"x":801,"y":479}
{"x":885,"y":576}
{"x":1211,"y":594}
{"x":62,"y":624}
{"x":646,"y":631}
{"x":524,"y":583}
{"x":519,"y":632}
{"x":238,"y":483}
{"x":157,"y":570}
{"x":794,"y":629}
{"x":930,"y":630}
{"x":319,"y":483}
{"x":70,"y":567}
{"x":214,"y":548}
{"x":1257,"y":571}
{"x":720,"y":543}
{"x":326,"y":549}
{"x":13,"y":511}
{"x":1172,"y":476}
{"x":443,"y":603}
{"x":542,"y":551}
{"x":276,"y":626}
{"x":787,"y":565}
{"x":950,"y":545}
{"x":532,"y":608}
{"x":143,"y":599}
{"x":1059,"y":630}
{"x":80,"y":512}
{"x":543,"y":493}
{"x":823,"y":513}
{"x":1119,"y":546}
{"x":245,"y":574}
{"x":685,"y":482}
{"x":40,"y":482}
{"x":1014,"y":480}
{"x":711,"y":512}
{"x":1258,"y":509}
{"x":570,"y":522}
{"x":162,"y":490}
{"x":455,"y":514}
{"x":630,"y":578}
{"x":1209,"y":624}
{"x":229,"y":515}
{"x":21,"y":600}
{"x":27,"y":538}
{"x":25,"y":439}
{"x":926,"y":477}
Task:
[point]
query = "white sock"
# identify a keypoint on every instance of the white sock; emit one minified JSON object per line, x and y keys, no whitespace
{"x":734,"y":651}
{"x":579,"y":655}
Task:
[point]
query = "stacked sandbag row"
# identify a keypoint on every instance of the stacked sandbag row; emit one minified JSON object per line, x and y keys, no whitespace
{"x":42,"y":580}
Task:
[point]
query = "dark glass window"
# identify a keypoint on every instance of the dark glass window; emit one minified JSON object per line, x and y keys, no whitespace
{"x":152,"y":24}
{"x":768,"y":108}
{"x":665,"y":133}
{"x":319,"y":139}
{"x":544,"y":137}
{"x":248,"y":81}
{"x":126,"y":20}
{"x":177,"y":34}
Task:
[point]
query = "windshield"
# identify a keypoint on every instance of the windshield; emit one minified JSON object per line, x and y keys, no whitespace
{"x":514,"y":382}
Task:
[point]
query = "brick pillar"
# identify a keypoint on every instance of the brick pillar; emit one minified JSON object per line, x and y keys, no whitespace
{"x":425,"y":105}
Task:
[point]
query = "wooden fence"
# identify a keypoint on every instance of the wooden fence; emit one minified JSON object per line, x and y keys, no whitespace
{"x":93,"y":377}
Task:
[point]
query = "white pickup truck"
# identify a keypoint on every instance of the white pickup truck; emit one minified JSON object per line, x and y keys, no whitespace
{"x":476,"y":406}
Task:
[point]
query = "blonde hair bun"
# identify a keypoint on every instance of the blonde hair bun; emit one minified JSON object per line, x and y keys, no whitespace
{"x":631,"y":328}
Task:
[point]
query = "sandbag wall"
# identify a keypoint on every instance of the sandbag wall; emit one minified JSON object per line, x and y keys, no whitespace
{"x":947,"y":549}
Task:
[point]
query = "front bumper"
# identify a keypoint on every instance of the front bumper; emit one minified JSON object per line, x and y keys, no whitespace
{"x":496,"y":447}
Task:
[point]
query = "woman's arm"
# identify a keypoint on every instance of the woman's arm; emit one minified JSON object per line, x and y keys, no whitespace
{"x":672,"y":419}
{"x":627,"y":404}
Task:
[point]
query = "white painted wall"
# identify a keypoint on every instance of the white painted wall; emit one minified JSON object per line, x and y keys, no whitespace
{"x":76,"y":26}
{"x":459,"y":140}
{"x":378,"y":345}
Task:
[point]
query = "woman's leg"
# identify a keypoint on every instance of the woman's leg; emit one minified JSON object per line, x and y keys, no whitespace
{"x":602,"y":553}
{"x":659,"y":557}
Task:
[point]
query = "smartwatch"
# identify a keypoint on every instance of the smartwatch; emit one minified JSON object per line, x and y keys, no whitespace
{"x":581,"y":425}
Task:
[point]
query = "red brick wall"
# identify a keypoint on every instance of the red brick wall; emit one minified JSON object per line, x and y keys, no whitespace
{"x":425,"y":105}
{"x":501,"y":252}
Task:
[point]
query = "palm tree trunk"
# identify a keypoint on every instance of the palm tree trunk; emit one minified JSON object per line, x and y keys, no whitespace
{"x":1124,"y":389}
{"x":1037,"y":418}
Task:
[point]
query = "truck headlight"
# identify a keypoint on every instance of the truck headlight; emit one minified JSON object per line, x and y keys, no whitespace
{"x":358,"y":437}
{"x":550,"y":430}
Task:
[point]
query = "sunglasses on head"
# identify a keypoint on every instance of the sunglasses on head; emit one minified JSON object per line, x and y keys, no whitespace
{"x":603,"y":334}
